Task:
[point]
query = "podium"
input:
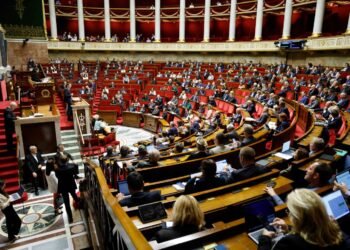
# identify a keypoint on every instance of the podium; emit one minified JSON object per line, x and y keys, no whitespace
{"x":151,"y":122}
{"x":43,"y":92}
{"x":81,"y":117}
{"x":132,"y":119}
{"x":42,"y":130}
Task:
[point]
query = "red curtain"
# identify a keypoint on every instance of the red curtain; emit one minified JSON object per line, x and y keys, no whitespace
{"x":146,"y":28}
{"x":219,"y":30}
{"x":170,"y":30}
{"x":194,"y":30}
{"x":65,"y":24}
{"x":121,"y":28}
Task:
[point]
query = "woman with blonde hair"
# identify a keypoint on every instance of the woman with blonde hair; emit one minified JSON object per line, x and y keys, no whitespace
{"x":312,"y":228}
{"x":187,"y":218}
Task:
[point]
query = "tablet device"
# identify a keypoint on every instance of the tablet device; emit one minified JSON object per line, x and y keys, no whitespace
{"x":336,"y":205}
{"x":123,"y":187}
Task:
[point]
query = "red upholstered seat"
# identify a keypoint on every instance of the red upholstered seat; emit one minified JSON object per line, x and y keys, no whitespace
{"x":332,"y":137}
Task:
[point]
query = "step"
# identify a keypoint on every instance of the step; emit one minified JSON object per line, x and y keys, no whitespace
{"x":69,"y":142}
{"x":71,"y":148}
{"x":11,"y":189}
{"x":5,"y":165}
{"x":13,"y":181}
{"x":66,"y":132}
{"x":68,"y":137}
{"x":11,"y":158}
{"x":8,"y":174}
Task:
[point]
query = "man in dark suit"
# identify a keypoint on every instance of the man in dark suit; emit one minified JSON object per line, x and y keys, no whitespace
{"x":334,"y":121}
{"x":263,"y":117}
{"x":62,"y":157}
{"x":208,"y":179}
{"x":10,"y":116}
{"x":68,"y":100}
{"x":249,"y":169}
{"x":138,"y":196}
{"x":34,"y":163}
{"x":67,"y":185}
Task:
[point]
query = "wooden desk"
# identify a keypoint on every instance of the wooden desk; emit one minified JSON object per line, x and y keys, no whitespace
{"x":315,"y":132}
{"x":81,"y":112}
{"x":132,"y":119}
{"x":151,"y":122}
{"x":41,"y":131}
{"x":221,"y":202}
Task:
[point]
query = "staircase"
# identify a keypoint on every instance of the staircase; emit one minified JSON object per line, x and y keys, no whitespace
{"x":71,"y":145}
{"x":9,"y":171}
{"x":65,"y":124}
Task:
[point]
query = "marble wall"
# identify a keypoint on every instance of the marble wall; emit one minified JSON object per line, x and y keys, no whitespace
{"x":18,"y":53}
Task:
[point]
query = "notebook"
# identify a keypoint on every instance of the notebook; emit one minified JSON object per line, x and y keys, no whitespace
{"x":258,"y":215}
{"x":287,"y":152}
{"x":123,"y":188}
{"x":152,"y":212}
{"x":344,"y":177}
{"x":336,"y":205}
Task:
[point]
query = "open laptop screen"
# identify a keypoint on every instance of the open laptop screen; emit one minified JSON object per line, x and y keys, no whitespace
{"x":258,"y":214}
{"x":286,"y":146}
{"x":336,"y":205}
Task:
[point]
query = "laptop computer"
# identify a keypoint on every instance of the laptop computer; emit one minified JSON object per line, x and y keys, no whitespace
{"x":287,"y":152}
{"x":258,"y":215}
{"x":18,"y":195}
{"x":152,"y":212}
{"x":123,"y":188}
{"x":344,"y":177}
{"x":336,"y":205}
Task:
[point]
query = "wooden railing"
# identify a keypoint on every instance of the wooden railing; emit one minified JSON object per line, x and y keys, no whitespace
{"x":113,"y":227}
{"x":80,"y":134}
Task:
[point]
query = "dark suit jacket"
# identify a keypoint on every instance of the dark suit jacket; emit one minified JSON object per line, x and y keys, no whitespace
{"x":283,"y":125}
{"x":247,"y":141}
{"x":58,"y":158}
{"x":247,"y":172}
{"x":295,"y":241}
{"x":66,"y":181}
{"x":262,"y":119}
{"x":9,"y":120}
{"x":197,"y":155}
{"x":141,"y":198}
{"x":199,"y":184}
{"x":166,"y":234}
{"x":32,"y":164}
{"x":335,"y":123}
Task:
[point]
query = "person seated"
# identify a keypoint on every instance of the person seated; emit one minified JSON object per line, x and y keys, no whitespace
{"x":248,"y":137}
{"x":317,"y":175}
{"x":283,"y":123}
{"x":220,"y":147}
{"x":187,"y":218}
{"x":314,"y":103}
{"x":179,"y":148}
{"x":153,"y":158}
{"x":125,"y":152}
{"x":231,"y":134}
{"x":343,"y":103}
{"x":195,"y":127}
{"x":138,"y":196}
{"x":156,"y":111}
{"x":250,"y":107}
{"x":316,"y":145}
{"x":283,"y":109}
{"x":263,"y":117}
{"x":202,"y":149}
{"x":304,"y":99}
{"x":237,"y":117}
{"x":334,"y":120}
{"x":249,"y":168}
{"x":207,"y":180}
{"x":113,"y":101}
{"x":312,"y":227}
{"x":110,"y":152}
{"x":173,"y":129}
{"x":299,"y":154}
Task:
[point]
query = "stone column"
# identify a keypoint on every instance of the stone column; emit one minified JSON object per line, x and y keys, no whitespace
{"x":81,"y":21}
{"x":259,"y":20}
{"x":232,"y":27}
{"x":132,"y":21}
{"x":319,"y":14}
{"x":347,"y":32}
{"x":157,"y":21}
{"x":53,"y":23}
{"x":107,"y":21}
{"x":287,"y":22}
{"x":206,"y":36}
{"x":182,"y":21}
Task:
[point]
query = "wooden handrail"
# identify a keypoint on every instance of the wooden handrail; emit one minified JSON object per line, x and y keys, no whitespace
{"x":79,"y":128}
{"x":131,"y":236}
